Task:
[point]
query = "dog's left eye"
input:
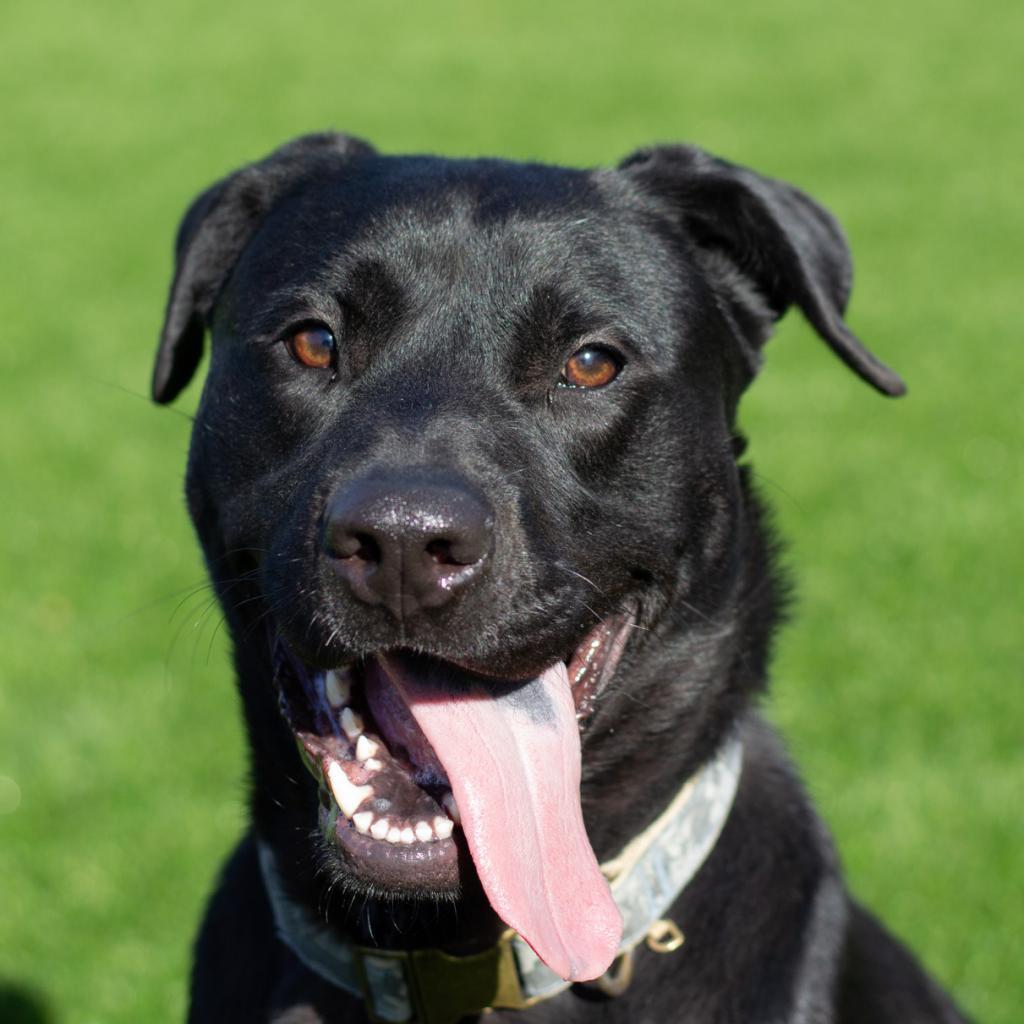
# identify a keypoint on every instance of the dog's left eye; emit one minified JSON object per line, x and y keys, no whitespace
{"x":592,"y":366}
{"x":313,"y":347}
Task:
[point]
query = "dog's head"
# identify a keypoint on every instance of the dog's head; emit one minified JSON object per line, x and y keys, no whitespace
{"x":465,"y":474}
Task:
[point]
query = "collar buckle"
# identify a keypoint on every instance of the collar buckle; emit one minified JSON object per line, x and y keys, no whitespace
{"x":430,"y":986}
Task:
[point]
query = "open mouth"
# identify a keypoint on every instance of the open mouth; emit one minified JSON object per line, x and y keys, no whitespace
{"x":414,"y":755}
{"x":384,"y":798}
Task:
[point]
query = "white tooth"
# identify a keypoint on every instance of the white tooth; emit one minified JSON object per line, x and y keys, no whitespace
{"x":365,"y":748}
{"x":373,"y":764}
{"x":443,"y":827}
{"x":379,"y":829}
{"x":337,"y":689}
{"x":449,"y":804}
{"x":362,"y":821}
{"x":348,"y":795}
{"x":351,"y":723}
{"x":424,"y":833}
{"x":408,"y":836}
{"x":394,"y":834}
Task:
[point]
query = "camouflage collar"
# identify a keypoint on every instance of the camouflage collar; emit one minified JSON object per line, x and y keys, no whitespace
{"x":429,"y":986}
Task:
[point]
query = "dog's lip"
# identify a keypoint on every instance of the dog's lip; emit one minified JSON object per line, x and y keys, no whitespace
{"x":386,"y":805}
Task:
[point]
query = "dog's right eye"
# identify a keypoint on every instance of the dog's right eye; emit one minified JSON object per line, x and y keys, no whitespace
{"x":313,"y":347}
{"x":593,"y":366}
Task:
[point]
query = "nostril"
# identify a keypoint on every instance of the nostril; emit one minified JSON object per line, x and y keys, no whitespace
{"x":441,"y":552}
{"x":368,"y":549}
{"x":355,"y":546}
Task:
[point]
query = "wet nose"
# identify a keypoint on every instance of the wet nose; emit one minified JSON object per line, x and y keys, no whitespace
{"x":408,"y":544}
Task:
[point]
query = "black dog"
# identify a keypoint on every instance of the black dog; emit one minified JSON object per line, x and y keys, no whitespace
{"x":465,"y":472}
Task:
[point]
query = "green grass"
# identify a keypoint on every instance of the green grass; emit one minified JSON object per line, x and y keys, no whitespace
{"x":899,"y":684}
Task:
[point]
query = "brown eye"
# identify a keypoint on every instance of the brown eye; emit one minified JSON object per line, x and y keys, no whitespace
{"x":313,"y":347}
{"x":592,"y":367}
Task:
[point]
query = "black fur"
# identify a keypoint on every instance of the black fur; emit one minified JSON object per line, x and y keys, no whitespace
{"x":457,"y":290}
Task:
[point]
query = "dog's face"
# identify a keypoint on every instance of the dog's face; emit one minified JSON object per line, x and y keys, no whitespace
{"x":465,"y":475}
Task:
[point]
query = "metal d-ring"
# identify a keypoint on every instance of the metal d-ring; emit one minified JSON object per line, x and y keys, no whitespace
{"x":664,"y":936}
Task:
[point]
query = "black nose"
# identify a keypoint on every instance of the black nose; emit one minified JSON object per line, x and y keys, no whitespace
{"x":407,"y":542}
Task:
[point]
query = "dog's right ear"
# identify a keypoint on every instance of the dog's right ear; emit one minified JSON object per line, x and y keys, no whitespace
{"x":766,"y":244}
{"x":211,"y":238}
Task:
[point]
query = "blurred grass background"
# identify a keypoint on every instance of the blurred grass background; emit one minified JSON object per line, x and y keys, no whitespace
{"x":899,"y":684}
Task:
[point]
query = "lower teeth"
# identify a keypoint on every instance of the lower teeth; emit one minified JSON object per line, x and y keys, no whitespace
{"x":334,"y":689}
{"x":348,"y":797}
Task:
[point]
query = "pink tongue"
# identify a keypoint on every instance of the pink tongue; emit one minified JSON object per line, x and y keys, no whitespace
{"x":513,"y":761}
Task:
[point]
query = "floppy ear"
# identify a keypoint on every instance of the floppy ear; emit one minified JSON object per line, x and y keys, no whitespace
{"x":211,"y":238}
{"x":765,"y":244}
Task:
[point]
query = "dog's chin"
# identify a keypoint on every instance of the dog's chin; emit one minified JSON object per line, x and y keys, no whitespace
{"x":387,"y":816}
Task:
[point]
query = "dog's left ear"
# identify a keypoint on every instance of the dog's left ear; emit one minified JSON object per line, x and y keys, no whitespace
{"x":765,"y":242}
{"x":211,"y":238}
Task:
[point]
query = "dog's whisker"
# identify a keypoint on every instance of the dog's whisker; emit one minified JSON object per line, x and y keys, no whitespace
{"x":696,"y":611}
{"x":200,"y":591}
{"x":613,"y":687}
{"x":114,"y":386}
{"x":221,"y":620}
{"x":188,"y":590}
{"x":180,"y":631}
{"x":761,"y":478}
{"x":209,"y":587}
{"x":579,"y":575}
